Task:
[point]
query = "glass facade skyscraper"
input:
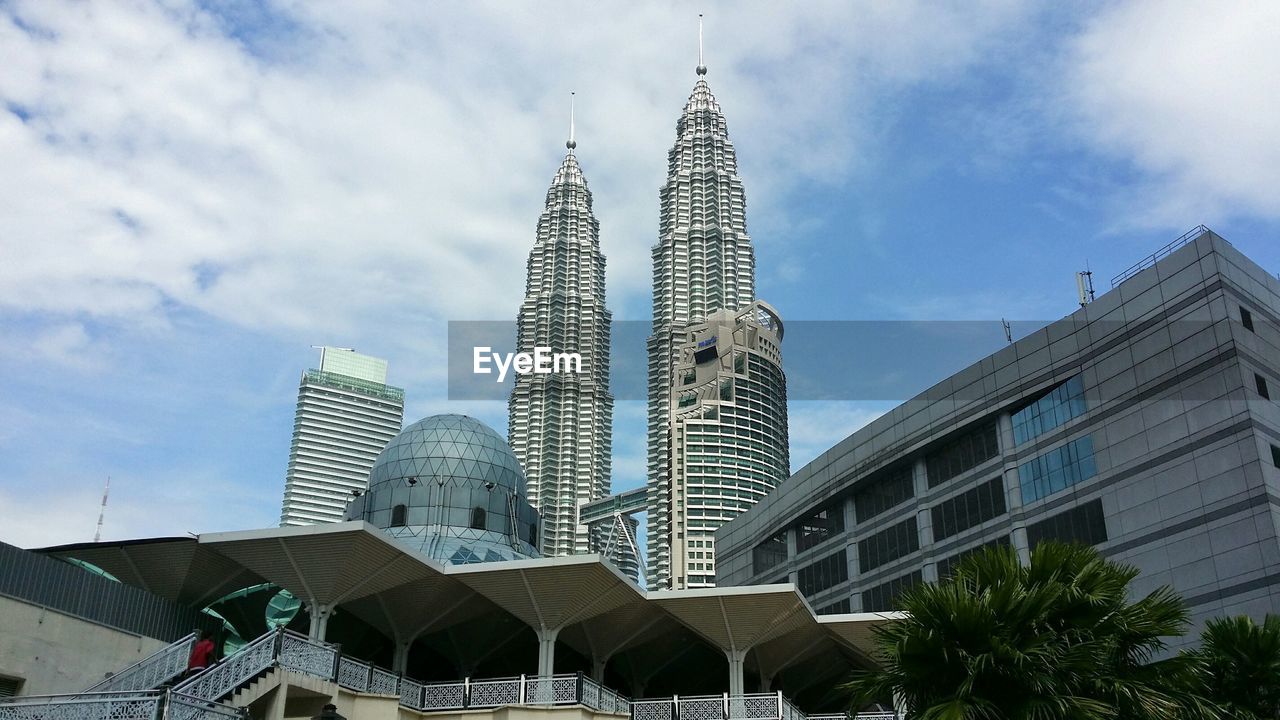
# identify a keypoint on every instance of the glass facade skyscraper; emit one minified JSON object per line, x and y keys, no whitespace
{"x":703,"y":263}
{"x":560,"y":425}
{"x":346,"y":415}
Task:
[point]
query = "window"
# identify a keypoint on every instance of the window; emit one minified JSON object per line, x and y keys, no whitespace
{"x":477,"y":518}
{"x":888,"y":545}
{"x":770,"y":553}
{"x":1057,"y":469}
{"x":889,"y":489}
{"x":822,"y":574}
{"x":1055,"y":407}
{"x":1261,"y":383}
{"x":968,"y":509}
{"x":947,"y":566}
{"x":819,"y":526}
{"x":1084,"y":524}
{"x":398,"y":514}
{"x":882,"y":597}
{"x":963,"y":453}
{"x":1246,"y":319}
{"x":1275,"y":456}
{"x":835,"y":608}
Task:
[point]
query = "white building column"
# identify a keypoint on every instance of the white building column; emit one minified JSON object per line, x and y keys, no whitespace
{"x":319,"y":621}
{"x":736,"y":660}
{"x":547,"y":651}
{"x":400,"y":661}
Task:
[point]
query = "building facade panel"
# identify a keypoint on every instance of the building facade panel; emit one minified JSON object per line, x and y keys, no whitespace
{"x":1134,"y":424}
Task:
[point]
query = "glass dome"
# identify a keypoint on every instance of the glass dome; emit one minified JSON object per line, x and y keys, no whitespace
{"x":450,"y":487}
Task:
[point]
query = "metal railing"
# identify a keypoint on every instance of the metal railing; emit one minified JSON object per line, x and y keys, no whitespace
{"x":1158,"y":255}
{"x":757,"y":706}
{"x":565,"y":689}
{"x":236,"y":670}
{"x":152,"y":671}
{"x":130,"y":705}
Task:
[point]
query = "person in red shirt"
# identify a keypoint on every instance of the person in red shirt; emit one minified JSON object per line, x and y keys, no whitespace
{"x":201,"y":654}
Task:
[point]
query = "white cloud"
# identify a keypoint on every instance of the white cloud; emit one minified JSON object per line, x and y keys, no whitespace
{"x":1185,"y":92}
{"x":816,"y":426}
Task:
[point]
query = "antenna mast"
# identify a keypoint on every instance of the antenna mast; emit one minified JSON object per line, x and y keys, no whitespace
{"x":97,"y":535}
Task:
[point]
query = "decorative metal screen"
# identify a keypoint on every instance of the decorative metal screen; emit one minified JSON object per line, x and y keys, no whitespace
{"x":353,"y":674}
{"x":307,"y":656}
{"x":557,"y":690}
{"x":410,"y":693}
{"x":99,"y":706}
{"x":384,"y":683}
{"x":444,"y":696}
{"x":702,"y":708}
{"x":185,"y":707}
{"x":494,"y":693}
{"x":652,"y":710}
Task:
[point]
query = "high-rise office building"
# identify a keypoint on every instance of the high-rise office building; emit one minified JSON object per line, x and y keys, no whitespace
{"x":560,"y":425}
{"x":346,"y":415}
{"x":703,"y":263}
{"x":728,"y":431}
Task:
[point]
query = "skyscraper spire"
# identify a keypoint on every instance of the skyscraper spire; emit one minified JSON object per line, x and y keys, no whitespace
{"x":560,"y":426}
{"x":702,"y":68}
{"x":572,"y":143}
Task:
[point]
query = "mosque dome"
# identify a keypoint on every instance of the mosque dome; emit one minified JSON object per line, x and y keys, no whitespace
{"x":450,"y":487}
{"x":459,"y":448}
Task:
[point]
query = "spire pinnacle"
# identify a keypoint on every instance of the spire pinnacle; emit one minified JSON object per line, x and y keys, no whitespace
{"x":572,"y":143}
{"x":702,"y":68}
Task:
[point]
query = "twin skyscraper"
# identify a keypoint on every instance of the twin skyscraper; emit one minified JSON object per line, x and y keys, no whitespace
{"x":717,"y":412}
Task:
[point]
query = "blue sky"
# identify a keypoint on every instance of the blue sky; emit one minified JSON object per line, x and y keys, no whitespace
{"x":194,"y":194}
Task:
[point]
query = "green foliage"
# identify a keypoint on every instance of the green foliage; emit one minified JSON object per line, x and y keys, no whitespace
{"x":1054,"y":640}
{"x":1241,"y":664}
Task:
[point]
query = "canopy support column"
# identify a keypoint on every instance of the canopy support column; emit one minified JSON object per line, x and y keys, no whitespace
{"x":319,"y":621}
{"x":597,"y":668}
{"x":401,"y":659}
{"x":736,"y":659}
{"x":547,"y":651}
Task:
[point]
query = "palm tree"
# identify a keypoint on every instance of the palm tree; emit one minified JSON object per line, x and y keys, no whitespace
{"x":1242,"y":666}
{"x":1054,"y":640}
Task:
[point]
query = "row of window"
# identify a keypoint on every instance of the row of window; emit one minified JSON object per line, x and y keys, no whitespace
{"x":1057,"y":469}
{"x":819,"y":526}
{"x":822,"y":574}
{"x":770,"y":553}
{"x":948,"y":565}
{"x":969,"y":509}
{"x":890,"y":489}
{"x":1055,"y":407}
{"x":836,"y":608}
{"x":963,"y":453}
{"x":882,"y":597}
{"x":1084,"y":524}
{"x":888,"y":545}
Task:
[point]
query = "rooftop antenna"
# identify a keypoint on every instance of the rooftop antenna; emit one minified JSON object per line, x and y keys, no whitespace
{"x":97,"y":535}
{"x":572,"y":143}
{"x":702,"y":68}
{"x":1008,"y":331}
{"x":1084,"y":285}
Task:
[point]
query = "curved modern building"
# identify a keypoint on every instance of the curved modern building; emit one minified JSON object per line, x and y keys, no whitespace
{"x":560,"y":425}
{"x":450,"y":487}
{"x":728,"y":431}
{"x":1146,"y":424}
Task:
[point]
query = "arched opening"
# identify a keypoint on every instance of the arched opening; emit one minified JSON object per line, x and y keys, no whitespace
{"x":477,"y":518}
{"x":398,"y":516}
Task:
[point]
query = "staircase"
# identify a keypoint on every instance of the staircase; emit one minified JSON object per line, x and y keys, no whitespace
{"x":149,"y":673}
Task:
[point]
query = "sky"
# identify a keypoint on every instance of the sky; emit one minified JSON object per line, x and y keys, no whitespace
{"x":193,"y":194}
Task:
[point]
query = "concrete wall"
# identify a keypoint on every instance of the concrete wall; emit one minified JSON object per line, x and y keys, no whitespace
{"x":55,"y":653}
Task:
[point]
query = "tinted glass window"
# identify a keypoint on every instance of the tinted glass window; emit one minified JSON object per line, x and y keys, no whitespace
{"x":398,"y":516}
{"x":888,"y":545}
{"x":822,"y":574}
{"x":882,"y":597}
{"x":886,"y":491}
{"x":969,"y":509}
{"x":963,"y":453}
{"x":1054,"y":408}
{"x":948,"y":565}
{"x":1057,"y":469}
{"x":819,"y":526}
{"x":770,"y":553}
{"x":835,"y":608}
{"x":1084,"y":524}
